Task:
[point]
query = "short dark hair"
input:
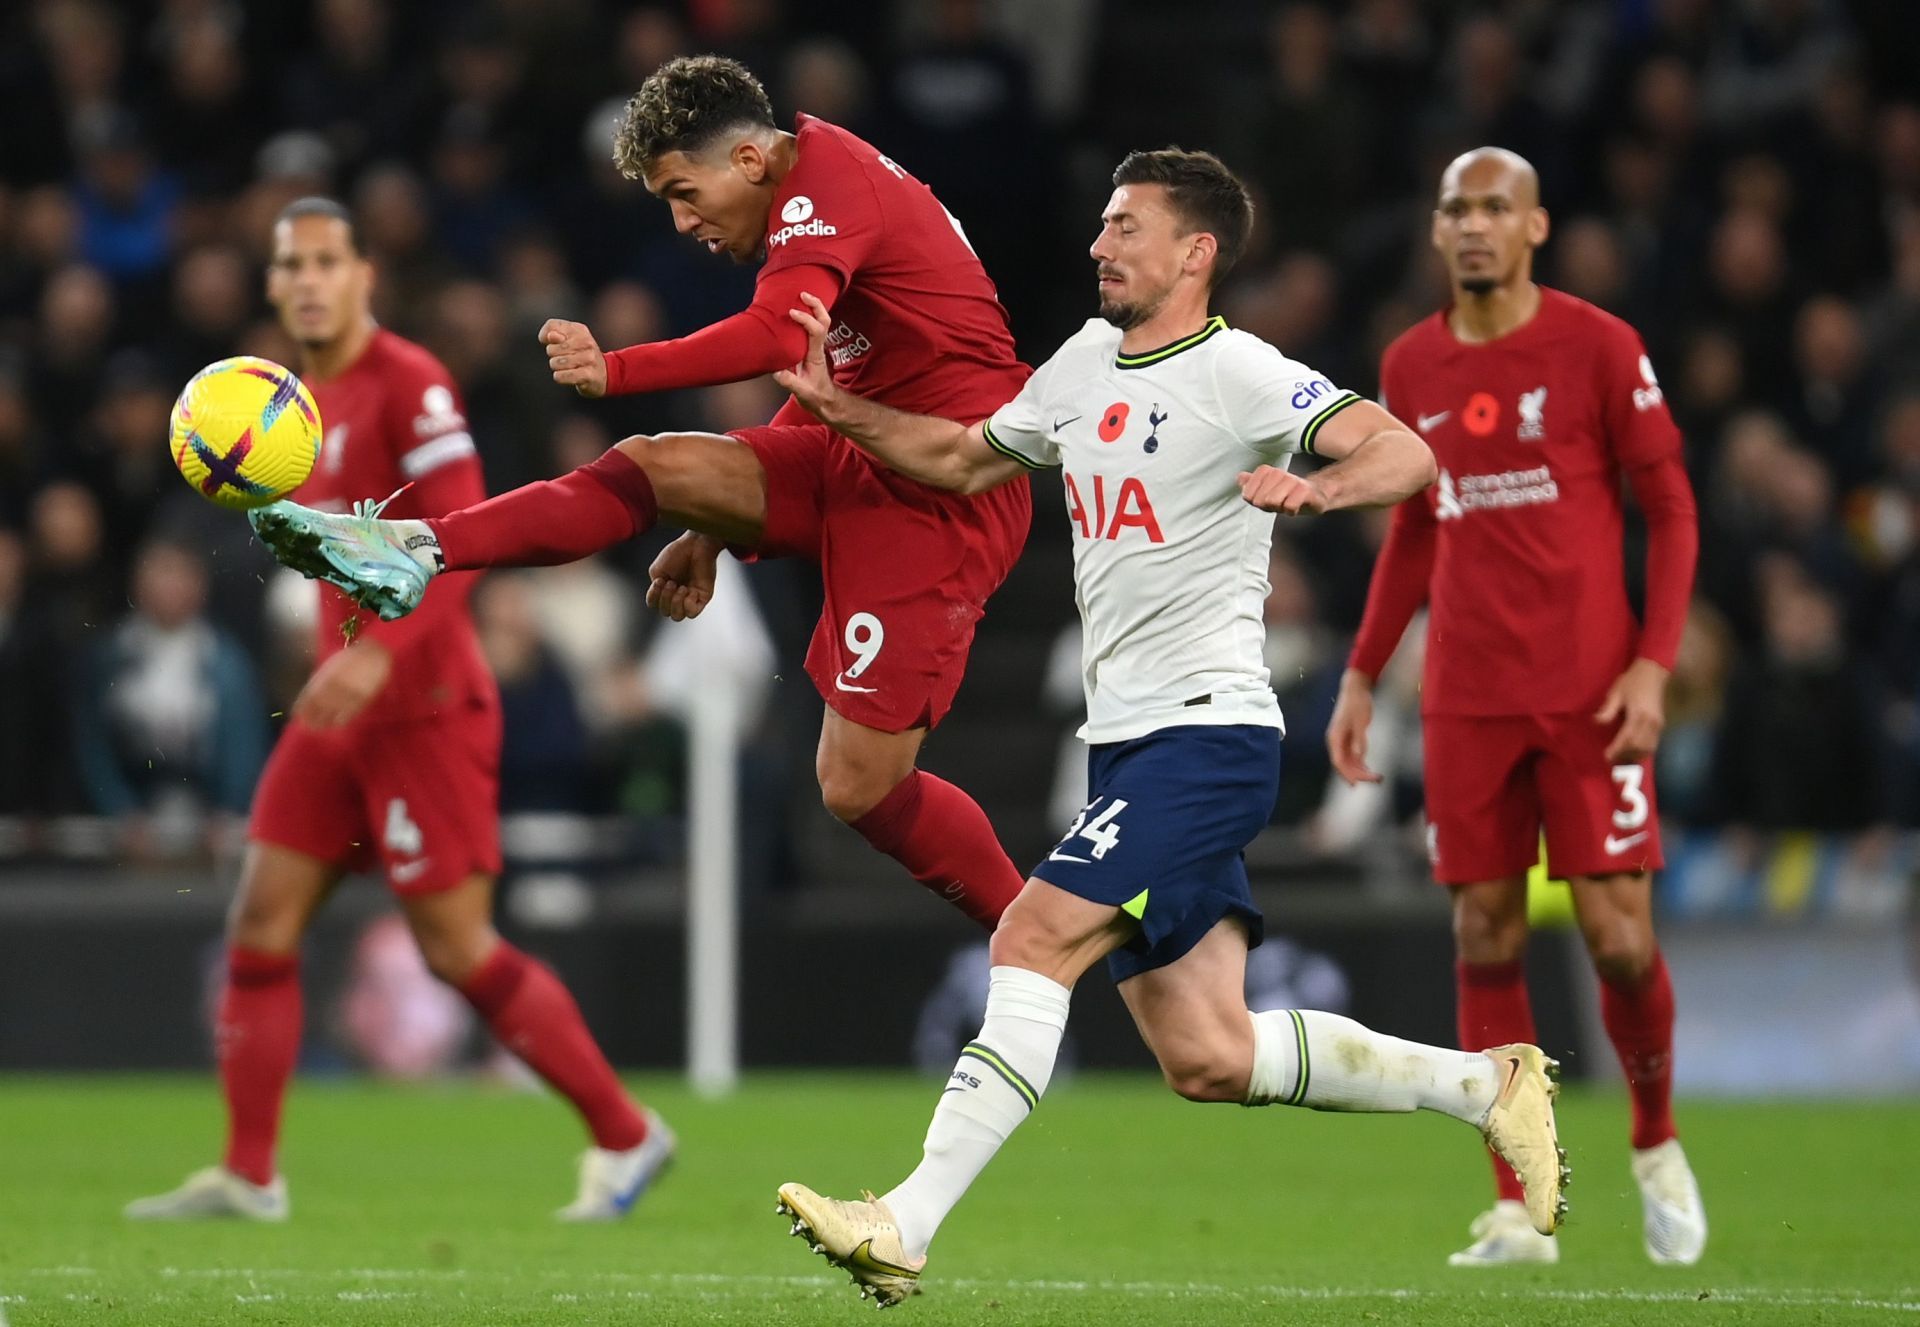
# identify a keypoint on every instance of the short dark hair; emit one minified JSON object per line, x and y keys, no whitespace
{"x":333,"y":210}
{"x":1203,"y":191}
{"x":685,"y":105}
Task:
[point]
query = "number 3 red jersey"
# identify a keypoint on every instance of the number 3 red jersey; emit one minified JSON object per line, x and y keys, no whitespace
{"x":1517,"y":548}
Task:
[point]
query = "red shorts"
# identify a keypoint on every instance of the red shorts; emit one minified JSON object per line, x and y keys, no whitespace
{"x":420,"y":798}
{"x":907,"y":570}
{"x":1495,"y":784}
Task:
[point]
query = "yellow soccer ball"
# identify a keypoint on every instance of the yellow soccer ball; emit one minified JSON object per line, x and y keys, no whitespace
{"x":245,"y":432}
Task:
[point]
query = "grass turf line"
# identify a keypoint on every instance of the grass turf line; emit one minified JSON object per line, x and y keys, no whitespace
{"x":1115,"y":1202}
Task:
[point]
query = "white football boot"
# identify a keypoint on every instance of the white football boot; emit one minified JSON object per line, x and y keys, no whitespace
{"x":611,"y":1182}
{"x":1519,"y":1128}
{"x":215,"y":1192}
{"x":860,"y":1238}
{"x":1675,"y":1218}
{"x":1504,"y":1234}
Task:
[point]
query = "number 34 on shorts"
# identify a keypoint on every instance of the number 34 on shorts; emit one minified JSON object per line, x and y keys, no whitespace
{"x":1095,"y":832}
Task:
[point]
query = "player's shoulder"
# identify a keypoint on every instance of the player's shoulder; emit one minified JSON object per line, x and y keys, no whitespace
{"x":828,"y":157}
{"x":1087,"y":352}
{"x":405,"y":362}
{"x":1573,"y":316}
{"x":1427,"y":335}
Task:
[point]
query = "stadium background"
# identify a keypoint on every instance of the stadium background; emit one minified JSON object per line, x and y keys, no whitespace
{"x":1739,"y":179}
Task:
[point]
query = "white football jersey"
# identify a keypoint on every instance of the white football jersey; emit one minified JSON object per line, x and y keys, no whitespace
{"x":1169,"y":562}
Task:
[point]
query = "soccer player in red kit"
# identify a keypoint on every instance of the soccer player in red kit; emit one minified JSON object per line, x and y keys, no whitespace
{"x":1542,"y":702}
{"x":907,"y":568}
{"x":390,"y":761}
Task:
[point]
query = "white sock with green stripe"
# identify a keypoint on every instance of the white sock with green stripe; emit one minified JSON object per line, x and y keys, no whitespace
{"x":997,"y":1082}
{"x":1303,"y":1057}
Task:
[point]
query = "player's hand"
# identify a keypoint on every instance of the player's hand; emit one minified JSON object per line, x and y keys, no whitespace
{"x":683,"y":575}
{"x":574,"y":356}
{"x":1273,"y":489}
{"x":342,"y":686}
{"x":810,"y":381}
{"x":1637,"y":700}
{"x":1347,"y":731}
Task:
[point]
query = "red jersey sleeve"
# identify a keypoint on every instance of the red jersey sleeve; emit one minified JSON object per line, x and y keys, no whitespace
{"x":1646,"y":442}
{"x":759,"y":339}
{"x":1403,"y":571}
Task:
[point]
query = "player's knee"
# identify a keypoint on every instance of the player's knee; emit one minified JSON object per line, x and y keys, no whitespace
{"x":266,"y":925}
{"x":453,"y":957}
{"x":1488,"y":934}
{"x":1199,"y":1076}
{"x":1621,"y":951}
{"x":849,"y":790}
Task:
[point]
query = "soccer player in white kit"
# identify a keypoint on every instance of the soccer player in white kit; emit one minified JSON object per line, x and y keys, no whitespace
{"x":1173,"y":433}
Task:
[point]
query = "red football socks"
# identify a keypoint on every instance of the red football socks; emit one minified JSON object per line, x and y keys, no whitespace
{"x":1493,"y":1010}
{"x":945,"y":841}
{"x":603,"y":503}
{"x":531,"y":1013}
{"x":257,"y":1039}
{"x":1639,"y":1023}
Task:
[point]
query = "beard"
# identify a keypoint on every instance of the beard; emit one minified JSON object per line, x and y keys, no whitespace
{"x":1123,"y":315}
{"x":1479,"y":285}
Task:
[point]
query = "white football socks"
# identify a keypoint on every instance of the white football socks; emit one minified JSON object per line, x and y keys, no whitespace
{"x":1302,"y":1057}
{"x":999,"y":1079}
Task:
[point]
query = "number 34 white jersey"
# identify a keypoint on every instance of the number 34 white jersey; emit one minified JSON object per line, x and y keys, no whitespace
{"x":1170,"y":563}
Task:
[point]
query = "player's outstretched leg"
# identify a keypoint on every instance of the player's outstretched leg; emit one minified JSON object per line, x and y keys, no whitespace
{"x":259,"y":1041}
{"x":529,"y":1011}
{"x":1000,"y":1076}
{"x":1636,"y":1008}
{"x":1303,"y":1057}
{"x":257,"y":1037}
{"x":934,"y":829}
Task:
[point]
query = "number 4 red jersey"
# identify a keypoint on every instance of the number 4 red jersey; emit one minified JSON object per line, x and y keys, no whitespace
{"x":1518,"y":548}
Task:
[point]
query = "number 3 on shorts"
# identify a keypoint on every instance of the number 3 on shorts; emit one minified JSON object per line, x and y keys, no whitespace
{"x":864,"y":637}
{"x":1633,"y":799}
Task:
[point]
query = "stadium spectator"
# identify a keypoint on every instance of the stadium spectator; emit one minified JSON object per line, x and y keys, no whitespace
{"x":168,"y":723}
{"x":1743,"y":181}
{"x":543,"y":748}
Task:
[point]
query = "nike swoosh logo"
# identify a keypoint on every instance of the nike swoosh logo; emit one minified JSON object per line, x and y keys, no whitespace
{"x":1068,"y":857}
{"x":840,"y":684}
{"x":1513,"y":1072}
{"x":863,"y":1258}
{"x":1059,"y":424}
{"x":1430,"y":422}
{"x":1615,"y":846}
{"x":406,"y":872}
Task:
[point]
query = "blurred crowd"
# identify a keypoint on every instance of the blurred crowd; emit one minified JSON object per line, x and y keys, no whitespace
{"x":1738,"y":178}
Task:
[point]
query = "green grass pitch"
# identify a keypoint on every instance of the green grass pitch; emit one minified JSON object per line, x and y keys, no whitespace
{"x":1116,"y":1203}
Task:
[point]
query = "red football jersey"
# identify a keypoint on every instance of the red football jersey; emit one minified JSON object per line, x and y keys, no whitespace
{"x":1528,"y":593}
{"x":393,"y":418}
{"x":918,"y":325}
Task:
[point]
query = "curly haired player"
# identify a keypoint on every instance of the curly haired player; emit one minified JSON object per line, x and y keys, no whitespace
{"x":907,"y":567}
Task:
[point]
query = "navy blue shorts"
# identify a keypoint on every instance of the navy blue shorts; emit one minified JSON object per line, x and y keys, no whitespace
{"x":1162,"y":838}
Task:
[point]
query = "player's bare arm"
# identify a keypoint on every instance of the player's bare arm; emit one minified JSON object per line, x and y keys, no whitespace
{"x":1637,"y":702}
{"x":344,"y":685}
{"x":574,"y":357}
{"x":680,"y":581}
{"x":938,"y":452}
{"x":1377,"y":461}
{"x":1347,"y":729}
